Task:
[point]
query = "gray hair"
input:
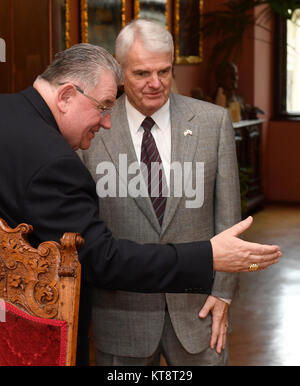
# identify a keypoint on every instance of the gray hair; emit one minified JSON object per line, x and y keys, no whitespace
{"x":82,"y":63}
{"x":153,"y":35}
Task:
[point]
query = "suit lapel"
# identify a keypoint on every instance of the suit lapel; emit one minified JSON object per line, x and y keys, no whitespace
{"x":118,"y":143}
{"x":183,"y":149}
{"x":117,"y":140}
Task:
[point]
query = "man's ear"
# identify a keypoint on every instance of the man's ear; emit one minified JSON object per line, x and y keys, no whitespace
{"x":65,"y":95}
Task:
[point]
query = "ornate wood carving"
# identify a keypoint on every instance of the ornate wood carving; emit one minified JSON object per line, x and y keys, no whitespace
{"x":30,"y":277}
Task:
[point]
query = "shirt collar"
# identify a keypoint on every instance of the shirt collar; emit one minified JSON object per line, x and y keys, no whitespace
{"x":135,"y":118}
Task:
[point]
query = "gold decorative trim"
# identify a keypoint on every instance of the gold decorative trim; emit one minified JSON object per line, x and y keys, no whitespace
{"x":166,"y":15}
{"x":84,"y":21}
{"x":123,"y":15}
{"x":67,"y":23}
{"x":187,"y":59}
{"x":137,"y":9}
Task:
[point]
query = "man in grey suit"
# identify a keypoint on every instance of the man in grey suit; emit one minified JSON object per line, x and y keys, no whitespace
{"x":194,"y":142}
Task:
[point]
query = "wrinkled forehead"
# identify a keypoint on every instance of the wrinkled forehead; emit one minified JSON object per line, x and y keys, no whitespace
{"x":139,"y":55}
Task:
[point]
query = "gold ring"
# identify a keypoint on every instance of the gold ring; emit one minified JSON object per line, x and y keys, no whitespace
{"x":253,"y":267}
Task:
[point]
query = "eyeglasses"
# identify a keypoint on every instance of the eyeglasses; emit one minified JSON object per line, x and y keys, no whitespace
{"x":104,"y":111}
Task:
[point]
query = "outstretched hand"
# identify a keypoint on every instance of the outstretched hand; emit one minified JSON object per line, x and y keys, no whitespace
{"x":231,"y":254}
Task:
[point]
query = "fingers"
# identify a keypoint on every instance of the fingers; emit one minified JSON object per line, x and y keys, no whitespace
{"x":261,"y":262}
{"x":262,"y":255}
{"x":241,"y":226}
{"x":259,"y":249}
{"x":269,"y":258}
{"x":219,"y":333}
{"x":232,"y":254}
{"x":208,"y":305}
{"x":221,"y":341}
{"x":261,"y":266}
{"x":254,"y":253}
{"x":219,"y":310}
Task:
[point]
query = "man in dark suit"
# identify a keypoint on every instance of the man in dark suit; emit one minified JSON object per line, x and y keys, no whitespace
{"x":44,"y":183}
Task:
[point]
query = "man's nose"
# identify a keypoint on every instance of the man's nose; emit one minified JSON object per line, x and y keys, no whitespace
{"x":154,"y":81}
{"x":105,"y":122}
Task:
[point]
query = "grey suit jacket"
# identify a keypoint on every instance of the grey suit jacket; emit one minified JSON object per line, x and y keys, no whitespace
{"x":130,"y":324}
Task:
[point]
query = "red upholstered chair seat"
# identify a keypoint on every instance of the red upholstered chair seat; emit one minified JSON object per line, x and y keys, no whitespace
{"x":39,"y":298}
{"x":26,"y":340}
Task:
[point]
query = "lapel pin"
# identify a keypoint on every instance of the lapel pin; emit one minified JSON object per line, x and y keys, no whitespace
{"x":187,"y":132}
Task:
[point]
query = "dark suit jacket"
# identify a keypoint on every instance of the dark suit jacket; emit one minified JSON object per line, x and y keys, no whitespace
{"x":44,"y":183}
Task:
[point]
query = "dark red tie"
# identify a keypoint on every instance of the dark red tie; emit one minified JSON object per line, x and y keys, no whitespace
{"x":157,"y":186}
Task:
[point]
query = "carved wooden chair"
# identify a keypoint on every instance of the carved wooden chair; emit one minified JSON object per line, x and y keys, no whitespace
{"x":39,"y":298}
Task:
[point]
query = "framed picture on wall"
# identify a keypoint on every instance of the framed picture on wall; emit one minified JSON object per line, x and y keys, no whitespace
{"x":101,"y":21}
{"x":156,"y":10}
{"x":61,"y":30}
{"x":188,"y":38}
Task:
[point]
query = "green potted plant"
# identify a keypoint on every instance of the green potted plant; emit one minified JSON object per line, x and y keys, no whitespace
{"x":230,"y":23}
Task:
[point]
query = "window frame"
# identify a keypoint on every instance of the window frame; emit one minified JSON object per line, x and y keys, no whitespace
{"x":280,"y":108}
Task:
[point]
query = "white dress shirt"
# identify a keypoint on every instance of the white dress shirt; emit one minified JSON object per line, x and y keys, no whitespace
{"x":161,"y":132}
